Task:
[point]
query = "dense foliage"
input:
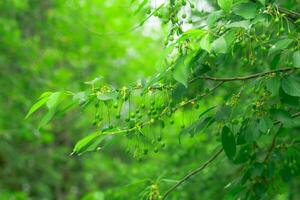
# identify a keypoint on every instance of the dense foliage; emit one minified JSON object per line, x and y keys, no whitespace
{"x":219,"y":119}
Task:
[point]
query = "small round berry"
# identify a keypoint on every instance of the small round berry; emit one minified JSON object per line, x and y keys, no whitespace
{"x":115,"y":105}
{"x":159,"y":138}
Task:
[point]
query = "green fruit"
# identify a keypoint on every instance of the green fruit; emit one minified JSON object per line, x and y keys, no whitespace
{"x":132,"y":115}
{"x":172,"y":121}
{"x":140,"y":116}
{"x":176,"y":20}
{"x":155,"y":150}
{"x":183,"y":2}
{"x":182,"y":126}
{"x":159,"y":138}
{"x":192,"y":5}
{"x":145,"y":151}
{"x":127,"y":119}
{"x":143,"y":106}
{"x":115,"y":105}
{"x":190,"y":21}
{"x":163,"y":145}
{"x":183,"y":16}
{"x":148,"y":11}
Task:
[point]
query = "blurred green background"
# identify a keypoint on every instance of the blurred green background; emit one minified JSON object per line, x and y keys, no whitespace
{"x":54,"y":45}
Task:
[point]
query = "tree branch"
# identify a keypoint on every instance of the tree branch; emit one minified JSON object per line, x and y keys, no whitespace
{"x":243,"y":78}
{"x":192,"y":173}
{"x":208,"y":162}
{"x":291,"y":14}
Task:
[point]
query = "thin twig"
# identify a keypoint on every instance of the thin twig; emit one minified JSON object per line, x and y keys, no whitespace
{"x":192,"y":173}
{"x":243,"y":78}
{"x":291,"y":14}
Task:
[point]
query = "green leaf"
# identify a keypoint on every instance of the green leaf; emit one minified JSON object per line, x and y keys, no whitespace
{"x":273,"y":85}
{"x":240,"y":24}
{"x":213,"y":18}
{"x":226,"y":5}
{"x":291,"y":86}
{"x":265,"y":124}
{"x":192,"y":33}
{"x":280,"y":45}
{"x":197,"y":126}
{"x":228,"y":142}
{"x":205,"y":43}
{"x":46,"y":118}
{"x":181,"y":70}
{"x":230,"y":38}
{"x":219,"y":45}
{"x":88,"y":143}
{"x":37,"y":105}
{"x":296,"y":59}
{"x":223,"y":113}
{"x":280,"y":115}
{"x":53,"y":99}
{"x":251,"y":132}
{"x":246,"y":10}
{"x":94,"y":81}
{"x":243,"y":154}
{"x":263,"y":2}
{"x":108,"y":96}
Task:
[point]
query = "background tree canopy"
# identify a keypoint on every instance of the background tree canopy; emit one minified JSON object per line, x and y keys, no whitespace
{"x":150,"y":99}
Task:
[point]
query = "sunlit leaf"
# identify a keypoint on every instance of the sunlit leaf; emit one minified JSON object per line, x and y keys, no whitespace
{"x":88,"y":143}
{"x":246,"y":10}
{"x":108,"y":96}
{"x":226,"y":5}
{"x":53,"y":99}
{"x":240,"y":24}
{"x":205,"y":43}
{"x":181,"y":70}
{"x":220,"y":45}
{"x":37,"y":105}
